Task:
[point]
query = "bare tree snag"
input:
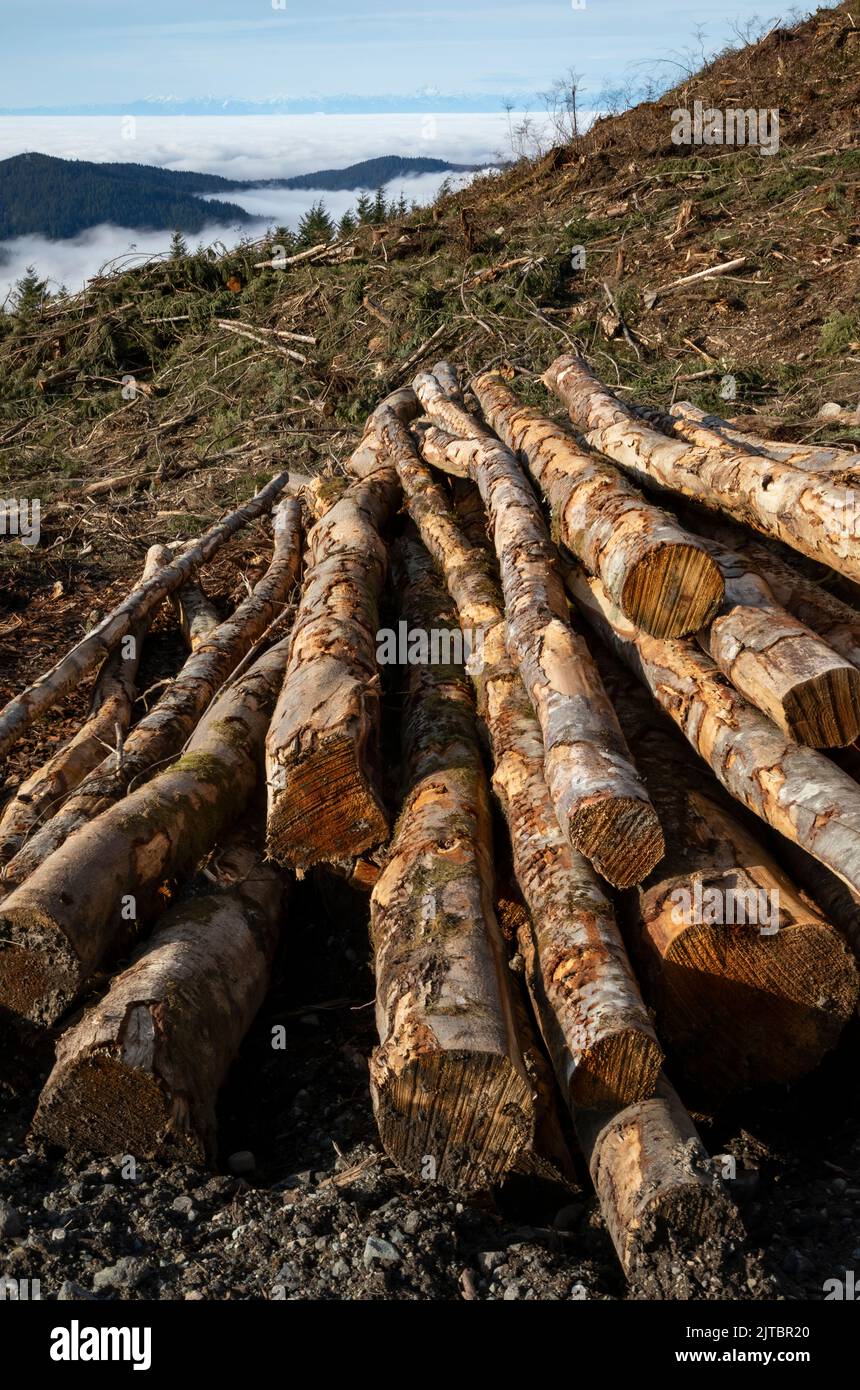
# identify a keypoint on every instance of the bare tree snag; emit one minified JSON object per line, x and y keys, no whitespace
{"x":659,"y":575}
{"x":114,"y":694}
{"x":659,"y":1192}
{"x":25,"y":708}
{"x":795,"y":789}
{"x":58,"y":926}
{"x":141,"y":1071}
{"x":807,"y":689}
{"x":711,"y":431}
{"x":585,"y":998}
{"x":163,"y":732}
{"x":805,"y":510}
{"x":448,"y":1081}
{"x":600,"y":800}
{"x":726,"y":947}
{"x":322,"y":752}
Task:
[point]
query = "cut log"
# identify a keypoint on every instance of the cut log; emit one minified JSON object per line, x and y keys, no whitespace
{"x":807,"y":511}
{"x":785,"y":670}
{"x":141,"y":1071}
{"x":197,"y":614}
{"x":43,"y":793}
{"x":59,"y":925}
{"x":599,"y":798}
{"x":322,"y":751}
{"x":726,"y":946}
{"x":797,"y":790}
{"x":659,"y":1192}
{"x":450,"y":1091}
{"x":163,"y":732}
{"x":585,"y":998}
{"x":711,"y":431}
{"x":659,"y":575}
{"x":21,"y":712}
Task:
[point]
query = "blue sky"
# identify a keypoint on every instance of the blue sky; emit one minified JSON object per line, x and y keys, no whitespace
{"x":65,"y":53}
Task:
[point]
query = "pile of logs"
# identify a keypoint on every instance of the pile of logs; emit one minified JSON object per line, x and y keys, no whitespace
{"x":683,"y":884}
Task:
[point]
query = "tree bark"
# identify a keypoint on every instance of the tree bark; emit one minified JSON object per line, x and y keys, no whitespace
{"x":805,"y":510}
{"x":598,"y":795}
{"x":448,"y":1081}
{"x":58,"y":926}
{"x":141,"y":1071}
{"x":322,"y":751}
{"x":727,"y":948}
{"x":586,"y":1000}
{"x":659,"y":1192}
{"x":660,"y":576}
{"x":797,"y":790}
{"x":44,"y":792}
{"x":197,"y":614}
{"x":163,"y":732}
{"x":690,"y":423}
{"x":25,"y":708}
{"x":802,"y":684}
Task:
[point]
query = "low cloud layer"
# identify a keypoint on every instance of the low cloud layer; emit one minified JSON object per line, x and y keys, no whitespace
{"x":72,"y":262}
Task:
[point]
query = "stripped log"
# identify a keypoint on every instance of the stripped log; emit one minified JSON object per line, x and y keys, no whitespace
{"x":163,"y":732}
{"x":727,"y":947}
{"x":586,"y":1000}
{"x":688,"y":422}
{"x":601,"y":803}
{"x":448,"y":1081}
{"x":58,"y":926}
{"x":43,"y":793}
{"x":197,"y":614}
{"x":25,"y":708}
{"x":805,"y":510}
{"x":659,"y":575}
{"x":659,"y":1192}
{"x":785,"y":670}
{"x":322,"y":751}
{"x":141,"y":1071}
{"x":797,"y":790}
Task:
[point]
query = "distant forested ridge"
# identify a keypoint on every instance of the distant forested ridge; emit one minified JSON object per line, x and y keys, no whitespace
{"x":42,"y":195}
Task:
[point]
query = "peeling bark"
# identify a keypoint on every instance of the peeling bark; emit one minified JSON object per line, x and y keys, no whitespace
{"x":598,"y":795}
{"x":802,"y":684}
{"x":660,"y":576}
{"x":163,"y":732}
{"x":807,"y":511}
{"x":659,"y":1192}
{"x":27,"y":707}
{"x":58,"y":926}
{"x":690,"y":423}
{"x":585,"y":998}
{"x":448,"y":1081}
{"x":197,"y":615}
{"x":795,"y":789}
{"x":141,"y":1071}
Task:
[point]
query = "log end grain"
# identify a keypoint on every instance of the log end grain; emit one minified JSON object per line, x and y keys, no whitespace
{"x":430,"y":1126}
{"x":741,"y":1009}
{"x":673,"y":590}
{"x":620,"y":1068}
{"x":326,"y":808}
{"x":40,"y":973}
{"x":101,"y":1104}
{"x":824,"y":711}
{"x":620,"y":835}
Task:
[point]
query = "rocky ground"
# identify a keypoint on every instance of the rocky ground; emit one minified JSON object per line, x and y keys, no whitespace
{"x":323,"y":1215}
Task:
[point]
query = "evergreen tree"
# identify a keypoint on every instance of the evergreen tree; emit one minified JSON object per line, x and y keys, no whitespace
{"x":315,"y":226}
{"x":346,"y":225}
{"x":379,"y":210}
{"x":178,"y":246}
{"x":29,"y":294}
{"x":364,"y":209}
